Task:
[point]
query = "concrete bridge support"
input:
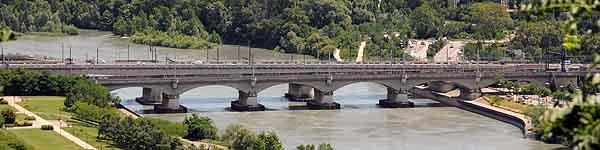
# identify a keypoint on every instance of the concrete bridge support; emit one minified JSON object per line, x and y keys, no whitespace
{"x":469,"y":94}
{"x":170,"y":104}
{"x":396,"y":99}
{"x":150,"y":96}
{"x":246,"y":102}
{"x":323,"y":100}
{"x":297,"y":92}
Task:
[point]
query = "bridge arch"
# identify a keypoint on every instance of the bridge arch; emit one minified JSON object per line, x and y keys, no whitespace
{"x":383,"y":83}
{"x":182,"y":89}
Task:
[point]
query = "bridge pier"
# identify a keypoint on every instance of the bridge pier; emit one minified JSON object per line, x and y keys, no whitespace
{"x":469,"y":94}
{"x":297,"y":92}
{"x":150,"y":96}
{"x":170,"y":104}
{"x":396,"y":99}
{"x":246,"y":102}
{"x":323,"y":100}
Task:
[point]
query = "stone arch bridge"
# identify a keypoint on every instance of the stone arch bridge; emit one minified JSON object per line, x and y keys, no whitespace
{"x":162,"y":84}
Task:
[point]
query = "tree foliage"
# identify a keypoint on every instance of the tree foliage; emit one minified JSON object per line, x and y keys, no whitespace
{"x":200,"y":128}
{"x":33,"y":83}
{"x":129,"y":133}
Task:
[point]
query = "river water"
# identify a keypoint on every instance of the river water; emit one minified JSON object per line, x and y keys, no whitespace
{"x":110,"y":47}
{"x":359,"y":125}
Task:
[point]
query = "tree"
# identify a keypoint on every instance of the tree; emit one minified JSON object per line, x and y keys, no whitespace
{"x":426,"y":21}
{"x":489,"y":19}
{"x":248,"y":141}
{"x":200,"y":128}
{"x":325,"y":146}
{"x":234,"y":132}
{"x":305,"y":147}
{"x":214,"y":37}
{"x":578,"y":124}
{"x":535,"y":38}
{"x":271,"y":140}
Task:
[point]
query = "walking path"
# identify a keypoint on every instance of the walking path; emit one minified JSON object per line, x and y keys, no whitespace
{"x":526,"y":119}
{"x":39,"y":121}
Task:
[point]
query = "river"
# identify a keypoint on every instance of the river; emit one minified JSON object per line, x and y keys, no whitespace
{"x":359,"y":125}
{"x":110,"y":47}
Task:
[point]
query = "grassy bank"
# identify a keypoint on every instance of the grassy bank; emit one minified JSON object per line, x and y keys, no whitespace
{"x":44,"y":140}
{"x":52,"y":108}
{"x":529,"y":110}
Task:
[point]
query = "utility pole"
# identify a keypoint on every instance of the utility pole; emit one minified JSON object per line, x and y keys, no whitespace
{"x":249,"y":53}
{"x":128,"y":59}
{"x":206,"y":49}
{"x":62,"y":51}
{"x":97,"y":53}
{"x":70,"y":56}
{"x":3,"y":61}
{"x":238,"y":53}
{"x":218,"y":55}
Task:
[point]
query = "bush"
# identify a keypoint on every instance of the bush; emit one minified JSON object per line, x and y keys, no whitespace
{"x":3,"y":102}
{"x":1,"y":123}
{"x":31,"y":118}
{"x":47,"y":127}
{"x":233,"y":132}
{"x":200,"y":128}
{"x":10,"y":141}
{"x":23,"y":123}
{"x":322,"y":146}
{"x":70,"y":29}
{"x":92,"y":113}
{"x":9,"y":115}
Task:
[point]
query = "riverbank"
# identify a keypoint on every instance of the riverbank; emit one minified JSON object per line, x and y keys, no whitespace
{"x":111,"y":47}
{"x":518,"y":120}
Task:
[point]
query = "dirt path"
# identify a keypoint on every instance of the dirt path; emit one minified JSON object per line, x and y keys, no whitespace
{"x":361,"y":51}
{"x":39,"y":121}
{"x":449,"y":53}
{"x":526,"y":119}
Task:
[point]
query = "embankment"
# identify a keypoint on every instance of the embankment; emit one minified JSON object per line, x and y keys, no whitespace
{"x":510,"y":118}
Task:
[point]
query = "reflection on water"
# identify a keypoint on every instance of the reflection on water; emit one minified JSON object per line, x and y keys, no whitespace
{"x":363,"y":127}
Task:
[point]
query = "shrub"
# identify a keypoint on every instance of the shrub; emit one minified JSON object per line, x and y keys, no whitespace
{"x":10,"y":141}
{"x":27,"y":123}
{"x":233,"y":132}
{"x":31,"y":118}
{"x":86,"y":112}
{"x":200,"y":128}
{"x":9,"y":115}
{"x":70,"y":29}
{"x":47,"y":127}
{"x":1,"y":123}
{"x":3,"y":102}
{"x":19,"y":123}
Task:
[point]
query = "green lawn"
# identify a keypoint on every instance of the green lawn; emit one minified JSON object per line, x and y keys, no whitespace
{"x":45,"y":140}
{"x":47,"y":107}
{"x":4,"y":106}
{"x":51,"y":108}
{"x":88,"y":134}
